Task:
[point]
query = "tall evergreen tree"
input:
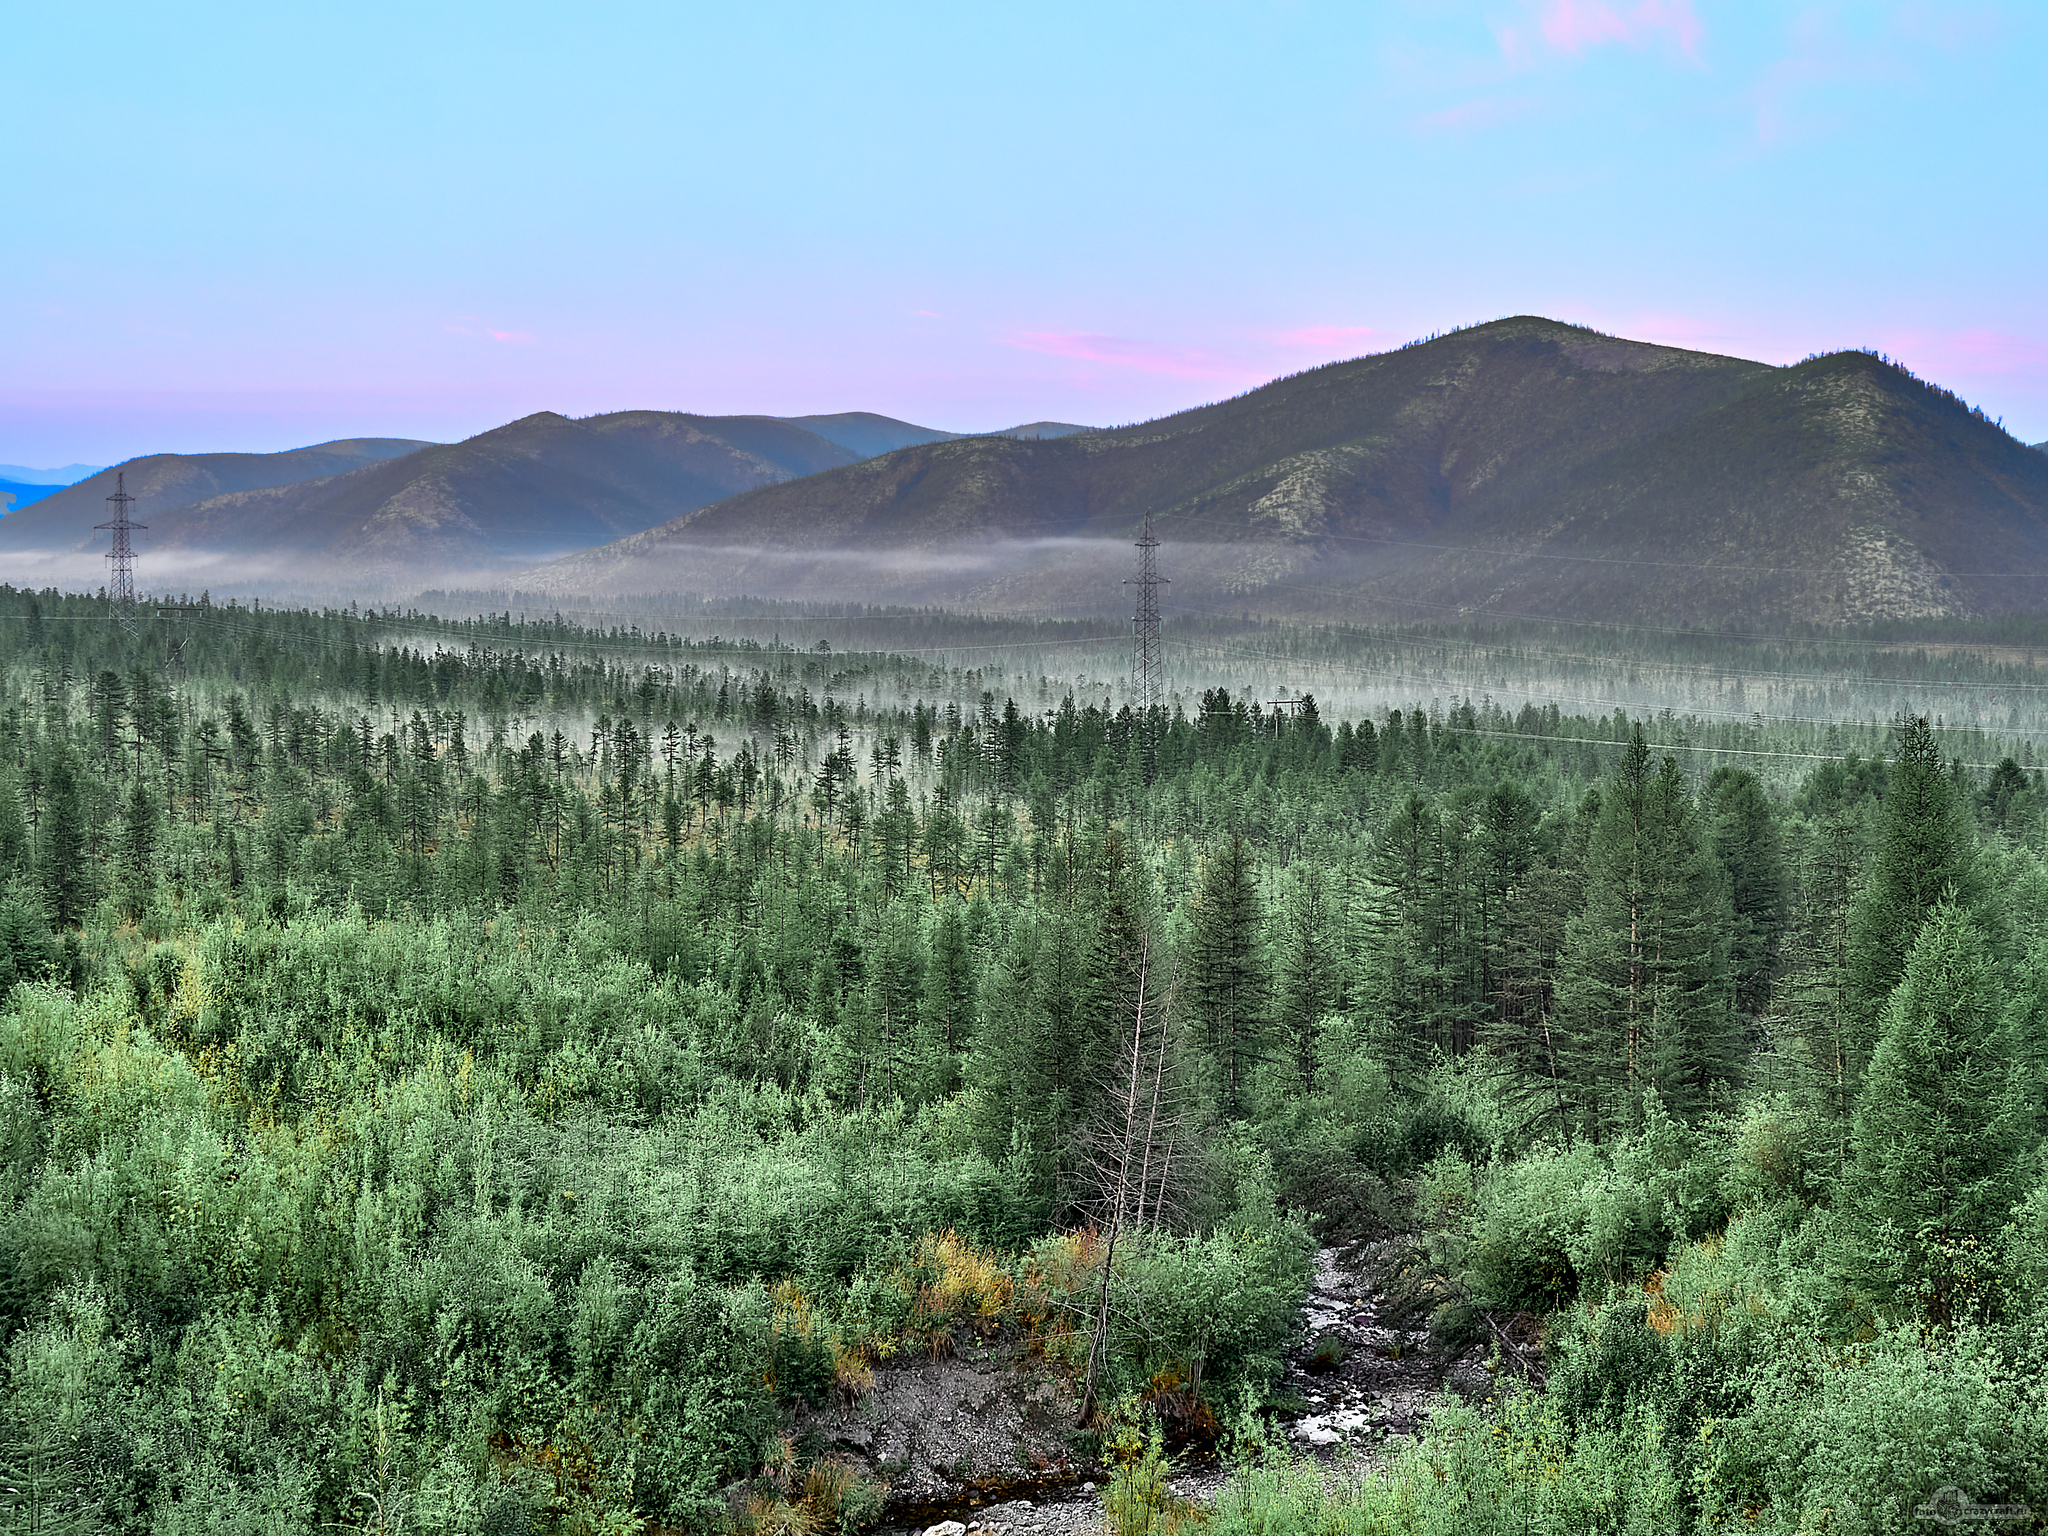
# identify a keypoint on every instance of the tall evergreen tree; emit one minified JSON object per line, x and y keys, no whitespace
{"x":1742,"y":830}
{"x":1924,"y":853}
{"x":1401,"y":982}
{"x":1307,"y":983}
{"x":1642,"y":984}
{"x":1227,"y":982}
{"x":1814,"y":997}
{"x":61,"y":840}
{"x":138,"y":845}
{"x":1937,"y":1154}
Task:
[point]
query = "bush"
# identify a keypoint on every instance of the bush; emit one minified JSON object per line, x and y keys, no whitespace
{"x":1522,"y":1472}
{"x":1867,"y":1432}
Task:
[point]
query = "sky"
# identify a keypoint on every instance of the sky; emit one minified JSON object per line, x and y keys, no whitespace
{"x":254,"y":227}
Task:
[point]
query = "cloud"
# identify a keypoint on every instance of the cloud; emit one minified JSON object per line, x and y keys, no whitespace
{"x":1574,"y":26}
{"x":1936,"y":354}
{"x":1122,"y":353}
{"x":1482,"y":112}
{"x":1325,"y":337}
{"x":507,"y":338}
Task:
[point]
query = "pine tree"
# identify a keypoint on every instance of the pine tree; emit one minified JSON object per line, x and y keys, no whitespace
{"x":1226,"y":975}
{"x":62,"y":840}
{"x":1742,"y":830}
{"x":138,"y":846}
{"x":1814,"y":997}
{"x":949,"y":982}
{"x":1642,"y":984}
{"x":1306,"y":984}
{"x":1924,"y":853}
{"x":1939,"y":1140}
{"x":1402,"y":911}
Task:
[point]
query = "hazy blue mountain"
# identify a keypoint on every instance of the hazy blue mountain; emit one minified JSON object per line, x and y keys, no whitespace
{"x":396,"y":509}
{"x":161,"y":481}
{"x":1041,"y":429}
{"x":870,"y":435}
{"x":866,"y":434}
{"x":16,"y":494}
{"x":528,"y":489}
{"x":68,"y":475}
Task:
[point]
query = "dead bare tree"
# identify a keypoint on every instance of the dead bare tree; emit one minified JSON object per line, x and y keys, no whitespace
{"x":1137,"y":1151}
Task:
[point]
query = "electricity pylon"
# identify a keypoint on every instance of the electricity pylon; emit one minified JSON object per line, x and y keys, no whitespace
{"x":121,"y":557}
{"x":1148,"y":666}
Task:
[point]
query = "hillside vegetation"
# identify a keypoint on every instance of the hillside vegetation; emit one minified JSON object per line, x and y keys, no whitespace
{"x":497,"y":1076}
{"x":160,"y":482}
{"x":387,"y":510}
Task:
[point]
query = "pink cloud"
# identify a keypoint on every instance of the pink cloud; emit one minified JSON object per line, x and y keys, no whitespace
{"x":1933,"y":354}
{"x":1574,"y":26}
{"x":510,"y":338}
{"x":1484,"y":112}
{"x":1323,"y":337}
{"x":1121,"y":353}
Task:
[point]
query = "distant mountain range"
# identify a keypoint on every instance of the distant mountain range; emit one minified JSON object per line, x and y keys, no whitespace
{"x":70,"y":474}
{"x":15,"y":494}
{"x":21,"y":486}
{"x":1520,"y":467}
{"x":1523,"y":466}
{"x":869,"y":435}
{"x":388,"y":509}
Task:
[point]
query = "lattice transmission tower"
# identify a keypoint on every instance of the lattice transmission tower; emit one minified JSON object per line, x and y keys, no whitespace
{"x":1148,"y":662}
{"x":121,"y":557}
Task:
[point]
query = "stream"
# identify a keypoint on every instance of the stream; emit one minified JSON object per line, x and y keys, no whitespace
{"x":1365,"y":1386}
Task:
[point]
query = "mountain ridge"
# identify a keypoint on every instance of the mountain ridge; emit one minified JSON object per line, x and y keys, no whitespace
{"x":1524,"y":461}
{"x":162,"y":481}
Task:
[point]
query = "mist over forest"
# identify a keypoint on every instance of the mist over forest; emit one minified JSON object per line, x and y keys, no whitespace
{"x":699,"y":1064}
{"x":656,"y":972}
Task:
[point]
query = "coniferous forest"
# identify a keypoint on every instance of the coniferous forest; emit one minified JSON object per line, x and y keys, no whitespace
{"x":501,"y":1076}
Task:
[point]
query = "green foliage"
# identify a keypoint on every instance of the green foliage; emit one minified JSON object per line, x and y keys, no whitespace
{"x":1940,"y":1132}
{"x":1137,"y":1501}
{"x":1643,"y":988}
{"x":488,"y":1077}
{"x":1521,"y":1470}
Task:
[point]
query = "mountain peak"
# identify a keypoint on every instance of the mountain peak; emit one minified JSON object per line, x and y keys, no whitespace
{"x":1524,"y":466}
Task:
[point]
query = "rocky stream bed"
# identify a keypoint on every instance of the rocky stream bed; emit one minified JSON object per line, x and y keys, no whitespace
{"x":971,"y":1446}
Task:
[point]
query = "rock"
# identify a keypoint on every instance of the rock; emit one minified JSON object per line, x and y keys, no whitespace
{"x":946,"y":1528}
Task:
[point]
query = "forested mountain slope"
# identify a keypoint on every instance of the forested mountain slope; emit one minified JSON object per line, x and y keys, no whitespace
{"x":161,"y":481}
{"x":526,"y":489}
{"x":1522,"y":465}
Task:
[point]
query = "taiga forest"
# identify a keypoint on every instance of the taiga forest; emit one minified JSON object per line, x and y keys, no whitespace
{"x":505,"y":1074}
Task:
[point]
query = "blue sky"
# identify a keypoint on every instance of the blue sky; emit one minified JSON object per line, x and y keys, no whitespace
{"x":258,"y":226}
